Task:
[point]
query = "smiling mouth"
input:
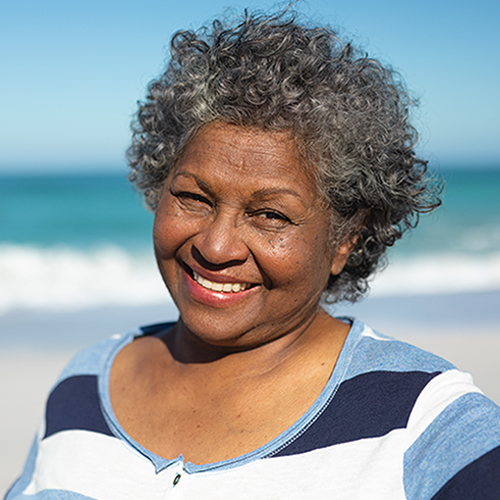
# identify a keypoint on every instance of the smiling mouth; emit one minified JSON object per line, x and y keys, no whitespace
{"x":220,"y":287}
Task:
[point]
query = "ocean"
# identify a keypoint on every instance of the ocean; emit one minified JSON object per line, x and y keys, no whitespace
{"x":72,"y":242}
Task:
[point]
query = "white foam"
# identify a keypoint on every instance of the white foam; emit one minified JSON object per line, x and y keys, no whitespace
{"x":70,"y":279}
{"x":439,"y":274}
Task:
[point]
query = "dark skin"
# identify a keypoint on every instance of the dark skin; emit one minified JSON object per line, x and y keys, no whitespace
{"x":238,"y":211}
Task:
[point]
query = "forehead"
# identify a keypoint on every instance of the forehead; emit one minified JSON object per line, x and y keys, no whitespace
{"x":222,"y":150}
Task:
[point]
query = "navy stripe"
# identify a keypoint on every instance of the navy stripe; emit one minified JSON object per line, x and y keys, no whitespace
{"x":156,"y":328}
{"x":368,"y":405}
{"x":480,"y":479}
{"x":74,"y":404}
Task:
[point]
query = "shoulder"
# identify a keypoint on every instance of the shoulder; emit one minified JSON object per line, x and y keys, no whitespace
{"x":453,"y":443}
{"x":76,"y":421}
{"x":452,"y":431}
{"x":374,"y":352}
{"x":407,"y":416}
{"x":385,"y":377}
{"x":77,"y":398}
{"x":74,"y":403}
{"x":92,"y":361}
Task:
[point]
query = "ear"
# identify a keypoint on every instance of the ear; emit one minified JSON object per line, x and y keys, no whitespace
{"x":345,"y":249}
{"x":342,"y":254}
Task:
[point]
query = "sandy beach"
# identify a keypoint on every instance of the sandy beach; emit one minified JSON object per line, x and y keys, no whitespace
{"x":35,"y":346}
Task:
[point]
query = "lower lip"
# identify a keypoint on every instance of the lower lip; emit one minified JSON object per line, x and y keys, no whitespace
{"x":212,"y":298}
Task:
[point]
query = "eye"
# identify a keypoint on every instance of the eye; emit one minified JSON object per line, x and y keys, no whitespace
{"x":274,"y":216}
{"x":270,"y":219}
{"x":190,"y":198}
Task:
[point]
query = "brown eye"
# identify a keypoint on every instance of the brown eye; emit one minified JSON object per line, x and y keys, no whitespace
{"x":271,"y":219}
{"x":274,"y":216}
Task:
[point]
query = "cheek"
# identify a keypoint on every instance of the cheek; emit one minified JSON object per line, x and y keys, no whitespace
{"x":299,"y":259}
{"x":168,"y":234}
{"x":171,"y":228}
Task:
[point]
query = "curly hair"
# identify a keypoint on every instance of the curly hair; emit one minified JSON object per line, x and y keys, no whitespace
{"x":348,"y":113}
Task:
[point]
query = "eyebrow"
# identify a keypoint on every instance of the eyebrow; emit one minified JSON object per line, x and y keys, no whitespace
{"x":201,"y":183}
{"x":262,"y":193}
{"x":259,"y":194}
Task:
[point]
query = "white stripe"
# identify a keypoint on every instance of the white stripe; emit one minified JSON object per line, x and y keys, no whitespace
{"x":368,"y":332}
{"x":102,"y":467}
{"x":440,"y":392}
{"x":359,"y":470}
{"x":96,"y":466}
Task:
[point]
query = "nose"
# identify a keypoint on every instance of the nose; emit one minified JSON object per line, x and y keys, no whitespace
{"x":220,"y":242}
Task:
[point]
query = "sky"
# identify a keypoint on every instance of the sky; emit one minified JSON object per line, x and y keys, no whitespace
{"x":71,"y":72}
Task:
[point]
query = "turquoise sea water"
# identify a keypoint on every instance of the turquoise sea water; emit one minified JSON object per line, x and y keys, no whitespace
{"x":468,"y":222}
{"x":70,"y":241}
{"x":72,"y":210}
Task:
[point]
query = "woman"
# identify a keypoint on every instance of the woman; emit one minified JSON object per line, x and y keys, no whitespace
{"x":280,"y":166}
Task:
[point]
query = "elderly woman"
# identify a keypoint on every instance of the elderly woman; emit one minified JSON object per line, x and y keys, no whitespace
{"x":279,"y":163}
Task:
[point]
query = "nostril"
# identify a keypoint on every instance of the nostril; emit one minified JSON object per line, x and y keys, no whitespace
{"x":214,"y":260}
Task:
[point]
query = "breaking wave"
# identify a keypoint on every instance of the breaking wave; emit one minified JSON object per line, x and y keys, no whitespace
{"x":66,"y":278}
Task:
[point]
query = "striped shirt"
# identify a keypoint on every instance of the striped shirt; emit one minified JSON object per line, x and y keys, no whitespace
{"x":393,"y":422}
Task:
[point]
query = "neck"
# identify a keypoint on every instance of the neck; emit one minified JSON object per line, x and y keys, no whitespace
{"x":192,"y":353}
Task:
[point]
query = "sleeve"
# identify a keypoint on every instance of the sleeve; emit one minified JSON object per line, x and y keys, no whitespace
{"x":479,"y":479}
{"x":15,"y":491}
{"x":454,"y":450}
{"x":67,"y":406}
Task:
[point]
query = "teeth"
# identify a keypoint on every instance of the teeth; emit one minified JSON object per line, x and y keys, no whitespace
{"x":220,"y":287}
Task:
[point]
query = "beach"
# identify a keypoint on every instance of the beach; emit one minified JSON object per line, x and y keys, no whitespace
{"x":73,"y":273}
{"x":36,"y":345}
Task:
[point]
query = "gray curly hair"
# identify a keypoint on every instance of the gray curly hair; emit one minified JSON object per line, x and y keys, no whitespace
{"x":348,"y":114}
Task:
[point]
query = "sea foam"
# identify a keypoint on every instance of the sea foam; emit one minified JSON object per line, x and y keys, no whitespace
{"x":62,"y":278}
{"x":66,"y":278}
{"x":439,"y":274}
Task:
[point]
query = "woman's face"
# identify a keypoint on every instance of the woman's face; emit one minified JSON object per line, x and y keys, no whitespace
{"x":242,"y":239}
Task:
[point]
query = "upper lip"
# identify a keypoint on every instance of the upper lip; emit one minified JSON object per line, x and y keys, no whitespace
{"x":214,"y":277}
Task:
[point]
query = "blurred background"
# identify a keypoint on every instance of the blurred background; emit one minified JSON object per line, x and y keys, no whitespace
{"x":76,"y":262}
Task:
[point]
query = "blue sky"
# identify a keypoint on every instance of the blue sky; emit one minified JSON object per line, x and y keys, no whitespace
{"x":71,"y":71}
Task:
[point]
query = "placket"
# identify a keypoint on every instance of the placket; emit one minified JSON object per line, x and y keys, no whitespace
{"x":174,"y":480}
